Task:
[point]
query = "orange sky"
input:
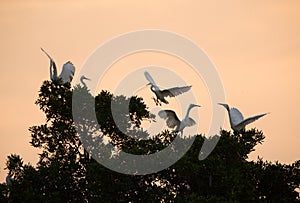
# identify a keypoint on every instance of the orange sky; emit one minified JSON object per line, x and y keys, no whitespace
{"x":255,"y":46}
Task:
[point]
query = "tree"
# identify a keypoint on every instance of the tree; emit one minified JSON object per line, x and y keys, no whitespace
{"x":66,"y":172}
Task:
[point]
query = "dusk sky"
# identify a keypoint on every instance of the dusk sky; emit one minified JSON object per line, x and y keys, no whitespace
{"x":254,"y":45}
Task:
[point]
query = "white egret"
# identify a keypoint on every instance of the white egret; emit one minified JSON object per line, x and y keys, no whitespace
{"x":8,"y":180}
{"x":67,"y":73}
{"x":82,"y":78}
{"x":173,"y":121}
{"x":161,"y":94}
{"x":237,"y":121}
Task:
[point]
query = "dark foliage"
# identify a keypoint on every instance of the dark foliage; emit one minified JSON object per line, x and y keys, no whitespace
{"x":66,"y":172}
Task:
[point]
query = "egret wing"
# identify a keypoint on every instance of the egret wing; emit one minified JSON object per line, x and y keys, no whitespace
{"x":47,"y":54}
{"x":171,"y":118}
{"x":150,"y":79}
{"x":250,"y":120}
{"x":172,"y":92}
{"x":190,"y":122}
{"x":235,"y":116}
{"x":67,"y":72}
{"x":52,"y":63}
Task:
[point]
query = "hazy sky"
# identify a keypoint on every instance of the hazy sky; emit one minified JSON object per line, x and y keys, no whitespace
{"x":255,"y":46}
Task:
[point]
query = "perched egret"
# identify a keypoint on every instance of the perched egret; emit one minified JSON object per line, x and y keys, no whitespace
{"x":67,"y":73}
{"x":8,"y":180}
{"x":82,"y":78}
{"x":173,"y":121}
{"x":161,"y":94}
{"x":237,"y":121}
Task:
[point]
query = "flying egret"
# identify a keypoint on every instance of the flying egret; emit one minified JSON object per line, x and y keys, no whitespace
{"x":8,"y":180}
{"x":173,"y":121}
{"x":237,"y":121}
{"x":161,"y":94}
{"x":67,"y":73}
{"x":82,"y":78}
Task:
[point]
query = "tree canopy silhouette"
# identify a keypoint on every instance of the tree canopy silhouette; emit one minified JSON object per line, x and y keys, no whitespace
{"x":66,"y":172}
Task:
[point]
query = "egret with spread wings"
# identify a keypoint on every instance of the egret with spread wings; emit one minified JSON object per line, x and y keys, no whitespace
{"x":66,"y":74}
{"x":173,"y":121}
{"x":161,"y":94}
{"x":237,"y":121}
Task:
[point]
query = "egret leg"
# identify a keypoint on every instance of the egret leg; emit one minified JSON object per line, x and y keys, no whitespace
{"x":154,"y":100}
{"x":157,"y":102}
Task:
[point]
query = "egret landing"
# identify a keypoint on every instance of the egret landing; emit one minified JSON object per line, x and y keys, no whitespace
{"x":161,"y":94}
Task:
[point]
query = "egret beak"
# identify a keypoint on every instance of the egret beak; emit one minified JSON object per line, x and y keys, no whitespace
{"x":225,"y":106}
{"x":84,"y":78}
{"x":148,"y":84}
{"x":194,"y":105}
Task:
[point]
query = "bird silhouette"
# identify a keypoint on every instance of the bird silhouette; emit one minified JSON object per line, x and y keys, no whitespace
{"x":173,"y":121}
{"x":237,"y":121}
{"x":161,"y":94}
{"x":67,"y":73}
{"x":82,"y":78}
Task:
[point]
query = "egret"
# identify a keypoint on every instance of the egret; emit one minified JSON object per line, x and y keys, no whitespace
{"x":161,"y":94}
{"x":67,"y":73}
{"x":173,"y":121}
{"x":237,"y":121}
{"x":8,"y":180}
{"x":82,"y":78}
